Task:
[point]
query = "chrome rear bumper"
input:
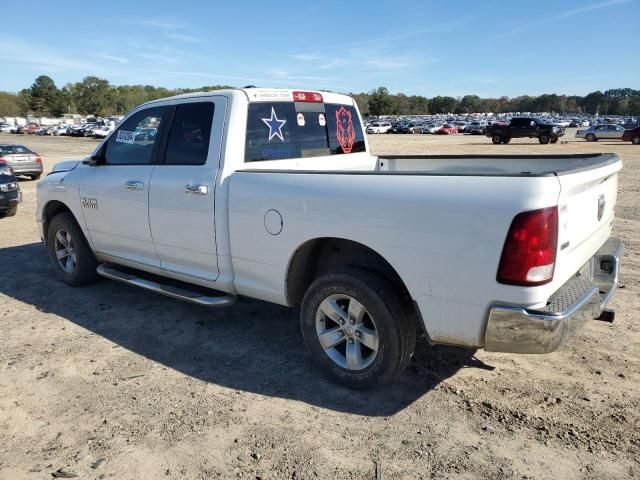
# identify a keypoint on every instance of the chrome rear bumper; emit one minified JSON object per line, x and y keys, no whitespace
{"x":520,"y":330}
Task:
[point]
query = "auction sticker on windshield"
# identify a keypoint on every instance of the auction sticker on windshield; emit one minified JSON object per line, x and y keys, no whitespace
{"x":125,"y":136}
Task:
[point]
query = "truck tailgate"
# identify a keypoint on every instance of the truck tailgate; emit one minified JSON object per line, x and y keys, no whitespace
{"x":586,"y":209}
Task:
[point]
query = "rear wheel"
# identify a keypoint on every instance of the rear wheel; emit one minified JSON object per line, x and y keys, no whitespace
{"x":554,"y":140}
{"x":496,"y":139}
{"x":36,"y":176}
{"x":544,"y":138}
{"x":68,"y":249}
{"x":10,"y":212}
{"x":636,"y":140}
{"x":357,"y":327}
{"x":590,"y":138}
{"x":506,"y":140}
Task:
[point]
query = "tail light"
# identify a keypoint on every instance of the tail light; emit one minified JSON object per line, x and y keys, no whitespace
{"x":39,"y":159}
{"x":529,"y":253}
{"x":2,"y":161}
{"x":311,"y":97}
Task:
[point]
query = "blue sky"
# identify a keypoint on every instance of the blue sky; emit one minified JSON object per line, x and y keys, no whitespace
{"x":489,"y":47}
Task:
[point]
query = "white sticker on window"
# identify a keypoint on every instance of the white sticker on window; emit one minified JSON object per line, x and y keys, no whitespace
{"x":300,"y":119}
{"x":125,"y":136}
{"x":322,"y":120}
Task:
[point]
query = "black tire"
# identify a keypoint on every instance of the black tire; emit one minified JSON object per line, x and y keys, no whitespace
{"x":544,"y":138}
{"x":391,"y":316}
{"x":9,"y":212}
{"x":36,"y":176}
{"x":636,"y":140}
{"x":506,"y":140}
{"x":496,"y":139}
{"x":84,"y":271}
{"x":554,"y":140}
{"x":590,"y":138}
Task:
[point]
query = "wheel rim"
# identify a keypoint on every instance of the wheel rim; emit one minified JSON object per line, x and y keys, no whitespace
{"x":65,"y":253}
{"x":636,"y":140}
{"x":347,"y":333}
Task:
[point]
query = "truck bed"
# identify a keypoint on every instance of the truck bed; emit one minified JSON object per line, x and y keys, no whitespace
{"x":493,"y":165}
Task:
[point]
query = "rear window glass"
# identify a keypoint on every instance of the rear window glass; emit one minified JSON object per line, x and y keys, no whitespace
{"x":13,"y":149}
{"x":280,"y":130}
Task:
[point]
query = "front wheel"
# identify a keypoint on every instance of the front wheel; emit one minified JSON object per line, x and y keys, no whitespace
{"x":590,"y":138}
{"x":72,"y":258}
{"x":36,"y":176}
{"x":496,"y":139}
{"x":636,"y":140}
{"x":357,"y":327}
{"x":544,"y":139}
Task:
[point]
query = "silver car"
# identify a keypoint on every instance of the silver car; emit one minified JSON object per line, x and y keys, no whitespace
{"x":601,"y":132}
{"x":21,"y":160}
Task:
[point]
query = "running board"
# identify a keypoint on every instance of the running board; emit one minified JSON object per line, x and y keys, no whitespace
{"x":178,"y":293}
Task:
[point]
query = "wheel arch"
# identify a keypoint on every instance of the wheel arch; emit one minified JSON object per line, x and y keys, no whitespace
{"x":321,"y":255}
{"x":50,"y":210}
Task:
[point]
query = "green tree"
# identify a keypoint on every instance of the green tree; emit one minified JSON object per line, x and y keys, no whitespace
{"x":45,"y":98}
{"x":380,"y":102}
{"x":470,"y":104}
{"x":93,"y":96}
{"x":441,"y":104}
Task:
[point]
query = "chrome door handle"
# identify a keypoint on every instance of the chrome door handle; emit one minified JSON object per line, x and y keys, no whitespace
{"x":196,"y":189}
{"x":133,"y":185}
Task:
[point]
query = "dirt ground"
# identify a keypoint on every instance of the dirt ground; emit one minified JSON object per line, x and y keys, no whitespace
{"x":109,"y":381}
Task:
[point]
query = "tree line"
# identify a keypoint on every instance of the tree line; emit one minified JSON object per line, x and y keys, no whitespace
{"x":96,"y":96}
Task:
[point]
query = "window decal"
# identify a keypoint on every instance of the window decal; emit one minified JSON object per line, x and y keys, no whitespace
{"x":125,"y":136}
{"x":345,"y":132}
{"x":275,"y":125}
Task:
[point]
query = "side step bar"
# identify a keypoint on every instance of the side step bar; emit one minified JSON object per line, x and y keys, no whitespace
{"x":178,"y":293}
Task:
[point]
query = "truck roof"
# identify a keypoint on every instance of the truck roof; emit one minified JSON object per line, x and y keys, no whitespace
{"x":255,"y":94}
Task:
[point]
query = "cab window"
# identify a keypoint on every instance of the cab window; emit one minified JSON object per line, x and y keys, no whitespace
{"x":134,"y":141}
{"x":189,"y":135}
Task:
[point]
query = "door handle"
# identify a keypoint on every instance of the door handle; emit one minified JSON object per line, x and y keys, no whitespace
{"x":196,"y":189}
{"x":133,"y":185}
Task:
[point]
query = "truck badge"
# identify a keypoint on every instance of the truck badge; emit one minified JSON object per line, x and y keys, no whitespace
{"x":89,"y":203}
{"x":601,"y":203}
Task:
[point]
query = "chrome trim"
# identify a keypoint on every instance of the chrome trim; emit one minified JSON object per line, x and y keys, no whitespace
{"x":134,"y":185}
{"x":518,"y":329}
{"x":196,"y":189}
{"x":169,"y":291}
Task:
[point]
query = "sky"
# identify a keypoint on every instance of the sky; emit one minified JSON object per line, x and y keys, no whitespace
{"x":489,"y":48}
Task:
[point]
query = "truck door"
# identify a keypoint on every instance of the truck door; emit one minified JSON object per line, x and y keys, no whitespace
{"x":115,"y":193}
{"x":181,"y":196}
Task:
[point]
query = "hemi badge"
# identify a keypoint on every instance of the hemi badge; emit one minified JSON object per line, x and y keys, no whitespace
{"x":564,"y":245}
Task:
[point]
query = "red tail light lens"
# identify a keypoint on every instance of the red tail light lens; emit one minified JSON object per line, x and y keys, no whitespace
{"x":529,"y":253}
{"x":311,"y":97}
{"x":2,"y":161}
{"x":39,"y":160}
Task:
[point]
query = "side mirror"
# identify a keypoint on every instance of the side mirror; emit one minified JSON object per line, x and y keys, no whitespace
{"x":95,"y":160}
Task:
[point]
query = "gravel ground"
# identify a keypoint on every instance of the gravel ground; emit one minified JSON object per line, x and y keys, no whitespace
{"x":109,"y":381}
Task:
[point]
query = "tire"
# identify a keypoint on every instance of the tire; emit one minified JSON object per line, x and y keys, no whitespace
{"x":35,"y":177}
{"x":544,"y":138}
{"x":506,"y":140}
{"x":63,"y":230}
{"x":496,"y":139}
{"x":590,"y":138}
{"x":554,"y":140}
{"x":385,"y":320}
{"x":636,"y":140}
{"x":10,"y":212}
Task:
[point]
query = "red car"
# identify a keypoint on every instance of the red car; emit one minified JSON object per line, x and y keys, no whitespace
{"x":632,"y":136}
{"x":447,"y":129}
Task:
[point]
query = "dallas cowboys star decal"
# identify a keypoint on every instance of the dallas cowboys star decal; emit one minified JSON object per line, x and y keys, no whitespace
{"x":275,"y":125}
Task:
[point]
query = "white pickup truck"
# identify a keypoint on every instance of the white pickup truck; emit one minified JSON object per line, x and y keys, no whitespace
{"x":272,"y":194}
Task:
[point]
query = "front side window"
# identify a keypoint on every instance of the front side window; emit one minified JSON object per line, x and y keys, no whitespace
{"x":280,"y":130}
{"x":188,"y":142}
{"x":134,"y":141}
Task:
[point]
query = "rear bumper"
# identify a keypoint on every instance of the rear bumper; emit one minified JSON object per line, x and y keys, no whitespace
{"x":26,"y":169}
{"x":516,"y":329}
{"x":9,"y":200}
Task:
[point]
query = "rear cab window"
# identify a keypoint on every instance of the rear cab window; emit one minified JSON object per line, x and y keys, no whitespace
{"x":288,"y":129}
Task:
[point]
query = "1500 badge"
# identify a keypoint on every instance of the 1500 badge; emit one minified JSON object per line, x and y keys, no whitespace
{"x":89,"y":202}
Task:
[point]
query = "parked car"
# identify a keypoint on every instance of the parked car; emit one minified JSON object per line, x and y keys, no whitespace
{"x":262,"y":216}
{"x":379,"y":127}
{"x":523,"y":128}
{"x":433,"y":127}
{"x":632,"y":135}
{"x":10,"y":194}
{"x":475,"y":128}
{"x":601,"y":132}
{"x":410,"y":128}
{"x":447,"y":129}
{"x":21,"y":160}
{"x":6,"y":128}
{"x":28,"y":129}
{"x":102,"y":132}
